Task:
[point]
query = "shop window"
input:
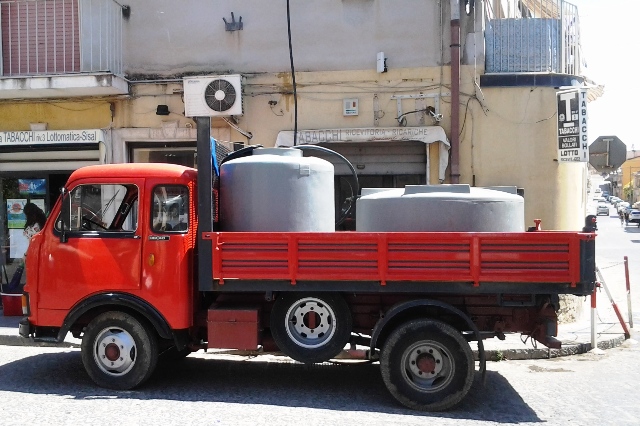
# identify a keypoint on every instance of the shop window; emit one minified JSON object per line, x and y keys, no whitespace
{"x":182,"y":155}
{"x":15,"y":194}
{"x":170,"y":209}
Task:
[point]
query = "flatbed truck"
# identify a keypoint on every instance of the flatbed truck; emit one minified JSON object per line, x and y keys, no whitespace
{"x":131,"y":262}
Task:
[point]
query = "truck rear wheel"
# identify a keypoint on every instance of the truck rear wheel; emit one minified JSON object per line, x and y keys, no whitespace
{"x":311,"y":328}
{"x":118,"y":351}
{"x":427,"y":365}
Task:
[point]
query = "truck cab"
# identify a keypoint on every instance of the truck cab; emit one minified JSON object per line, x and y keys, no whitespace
{"x":128,"y":235}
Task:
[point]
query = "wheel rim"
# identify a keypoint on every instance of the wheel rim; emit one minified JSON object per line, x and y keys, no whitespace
{"x":310,"y":323}
{"x":427,"y":366}
{"x":115,"y":351}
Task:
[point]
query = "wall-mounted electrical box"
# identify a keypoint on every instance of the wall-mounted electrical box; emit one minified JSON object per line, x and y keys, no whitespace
{"x":381,"y":62}
{"x":350,"y":107}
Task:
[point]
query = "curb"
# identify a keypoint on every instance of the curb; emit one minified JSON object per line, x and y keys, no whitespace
{"x":546,"y":353}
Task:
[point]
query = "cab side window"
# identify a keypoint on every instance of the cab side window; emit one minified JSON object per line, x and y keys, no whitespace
{"x":99,"y":208}
{"x":170,"y":209}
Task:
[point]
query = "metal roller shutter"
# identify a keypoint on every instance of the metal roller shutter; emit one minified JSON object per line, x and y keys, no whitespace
{"x":378,"y":158}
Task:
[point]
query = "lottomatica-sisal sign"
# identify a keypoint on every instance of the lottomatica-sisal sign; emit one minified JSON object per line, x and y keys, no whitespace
{"x":51,"y":137}
{"x":573,"y":142}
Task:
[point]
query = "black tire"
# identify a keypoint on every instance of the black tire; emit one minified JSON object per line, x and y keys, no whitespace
{"x":427,"y":365}
{"x":118,"y":351}
{"x":311,"y":328}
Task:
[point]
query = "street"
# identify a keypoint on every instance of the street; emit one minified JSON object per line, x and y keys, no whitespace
{"x":41,"y":386}
{"x":49,"y":386}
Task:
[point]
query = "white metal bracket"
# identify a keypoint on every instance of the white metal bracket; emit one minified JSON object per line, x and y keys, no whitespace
{"x":437,"y":116}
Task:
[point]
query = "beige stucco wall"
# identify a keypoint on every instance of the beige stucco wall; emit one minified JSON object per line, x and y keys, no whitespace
{"x":508,"y":135}
{"x":628,"y":168}
{"x":513,"y":142}
{"x":59,"y":115}
{"x":320,"y":103}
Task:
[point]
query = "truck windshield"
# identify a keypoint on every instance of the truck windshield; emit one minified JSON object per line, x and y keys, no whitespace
{"x":99,"y":207}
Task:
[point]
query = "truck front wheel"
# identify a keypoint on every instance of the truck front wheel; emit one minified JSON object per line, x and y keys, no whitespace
{"x":311,"y":328}
{"x":427,"y":365}
{"x":118,"y":351}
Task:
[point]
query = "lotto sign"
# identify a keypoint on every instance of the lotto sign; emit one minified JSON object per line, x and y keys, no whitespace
{"x":572,"y":125}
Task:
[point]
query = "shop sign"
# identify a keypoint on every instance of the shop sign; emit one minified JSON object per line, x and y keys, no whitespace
{"x":573,"y":144}
{"x":312,"y":137}
{"x":51,"y":137}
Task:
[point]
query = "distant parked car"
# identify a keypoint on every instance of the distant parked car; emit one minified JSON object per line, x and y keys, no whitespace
{"x":634,"y":216}
{"x":622,"y":206}
{"x":616,"y":202}
{"x":602,"y":208}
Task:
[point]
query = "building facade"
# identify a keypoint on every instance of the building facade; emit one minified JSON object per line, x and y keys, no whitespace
{"x":422,"y":92}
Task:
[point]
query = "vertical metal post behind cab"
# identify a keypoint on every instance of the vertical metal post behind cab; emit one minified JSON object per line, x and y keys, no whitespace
{"x":205,"y":207}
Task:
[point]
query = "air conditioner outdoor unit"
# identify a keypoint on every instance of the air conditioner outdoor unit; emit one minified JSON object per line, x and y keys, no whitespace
{"x":213,"y":96}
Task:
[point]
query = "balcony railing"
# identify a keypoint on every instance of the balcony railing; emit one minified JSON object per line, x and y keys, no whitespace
{"x":60,"y":37}
{"x":532,"y":36}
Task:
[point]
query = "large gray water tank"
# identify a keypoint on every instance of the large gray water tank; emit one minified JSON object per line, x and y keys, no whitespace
{"x":277,"y":189}
{"x":448,"y":208}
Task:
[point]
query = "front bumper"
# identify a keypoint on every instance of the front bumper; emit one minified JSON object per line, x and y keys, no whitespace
{"x":25,"y":329}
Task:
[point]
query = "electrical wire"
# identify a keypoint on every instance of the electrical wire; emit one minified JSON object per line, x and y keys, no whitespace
{"x":244,"y":133}
{"x":293,"y":79}
{"x":403,"y":121}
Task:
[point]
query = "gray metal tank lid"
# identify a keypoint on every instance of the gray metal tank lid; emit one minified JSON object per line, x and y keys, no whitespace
{"x":504,"y":188}
{"x":368,"y":191}
{"x":288,"y":152}
{"x":428,"y":189}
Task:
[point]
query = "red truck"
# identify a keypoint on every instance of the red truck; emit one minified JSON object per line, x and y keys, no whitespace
{"x":130,"y":262}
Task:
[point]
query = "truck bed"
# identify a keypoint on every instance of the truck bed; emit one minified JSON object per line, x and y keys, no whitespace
{"x":475,"y":259}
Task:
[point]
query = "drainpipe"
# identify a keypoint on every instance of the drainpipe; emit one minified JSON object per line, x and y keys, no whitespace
{"x":455,"y":91}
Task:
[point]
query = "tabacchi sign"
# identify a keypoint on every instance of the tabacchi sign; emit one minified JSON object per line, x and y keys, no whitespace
{"x":573,"y":142}
{"x":51,"y":137}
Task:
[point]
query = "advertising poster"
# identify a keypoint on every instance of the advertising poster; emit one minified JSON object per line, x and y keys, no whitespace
{"x":16,"y":221}
{"x":19,"y":243}
{"x":39,"y":203}
{"x":32,"y":186}
{"x":15,"y":215}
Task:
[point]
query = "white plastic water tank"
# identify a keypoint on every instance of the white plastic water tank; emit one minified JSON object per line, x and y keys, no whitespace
{"x":277,"y":189}
{"x":448,"y":208}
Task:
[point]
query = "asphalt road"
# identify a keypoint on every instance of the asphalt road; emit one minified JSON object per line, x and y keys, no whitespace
{"x":48,"y":386}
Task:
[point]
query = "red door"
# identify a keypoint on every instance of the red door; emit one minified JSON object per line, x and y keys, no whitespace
{"x":167,"y":253}
{"x":103,"y":248}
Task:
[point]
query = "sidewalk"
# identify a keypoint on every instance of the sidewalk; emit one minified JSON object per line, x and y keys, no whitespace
{"x":575,"y":338}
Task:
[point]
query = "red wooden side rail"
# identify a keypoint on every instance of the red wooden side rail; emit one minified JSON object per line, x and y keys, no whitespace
{"x":541,"y":257}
